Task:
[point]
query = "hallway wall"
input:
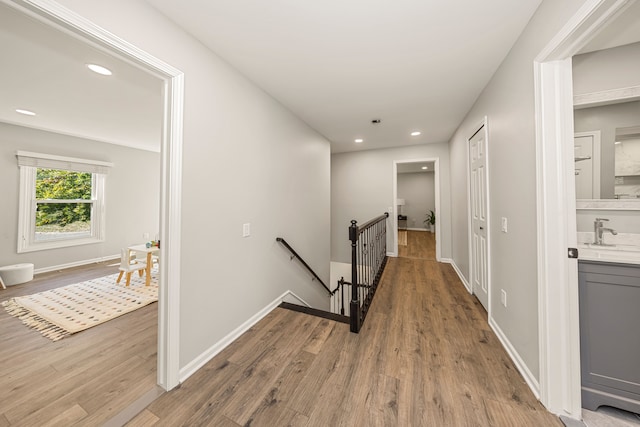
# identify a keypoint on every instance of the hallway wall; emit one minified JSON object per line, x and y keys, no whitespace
{"x":508,"y":102}
{"x":246,"y":159}
{"x":362,"y":188}
{"x":417,"y":189}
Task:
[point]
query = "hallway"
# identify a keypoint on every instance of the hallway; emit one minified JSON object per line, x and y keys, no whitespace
{"x":425,"y":357}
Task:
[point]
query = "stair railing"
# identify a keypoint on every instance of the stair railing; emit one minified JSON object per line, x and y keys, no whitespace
{"x":294,"y":254}
{"x":368,"y":259}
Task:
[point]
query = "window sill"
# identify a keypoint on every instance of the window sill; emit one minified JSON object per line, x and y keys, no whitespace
{"x":44,"y":246}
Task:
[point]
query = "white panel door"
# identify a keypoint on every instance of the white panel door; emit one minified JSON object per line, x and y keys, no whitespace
{"x":587,"y":183}
{"x":479,"y":244}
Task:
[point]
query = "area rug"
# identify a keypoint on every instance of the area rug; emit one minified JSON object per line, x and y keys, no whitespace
{"x":58,"y":313}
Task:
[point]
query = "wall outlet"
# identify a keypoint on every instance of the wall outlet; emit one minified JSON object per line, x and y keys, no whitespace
{"x":145,"y":236}
{"x":504,"y":224}
{"x":503,"y":297}
{"x":246,"y":229}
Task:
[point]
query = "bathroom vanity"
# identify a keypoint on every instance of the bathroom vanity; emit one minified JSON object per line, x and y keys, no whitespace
{"x":609,"y":290}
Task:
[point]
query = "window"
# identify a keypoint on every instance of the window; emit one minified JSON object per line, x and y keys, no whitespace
{"x":61,"y":201}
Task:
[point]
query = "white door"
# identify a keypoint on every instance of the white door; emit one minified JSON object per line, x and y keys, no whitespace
{"x":587,"y":165}
{"x":479,"y":245}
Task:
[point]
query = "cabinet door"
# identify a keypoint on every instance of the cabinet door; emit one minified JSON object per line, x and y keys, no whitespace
{"x":609,"y":320}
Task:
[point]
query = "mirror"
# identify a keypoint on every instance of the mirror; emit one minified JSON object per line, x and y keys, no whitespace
{"x":627,"y":163}
{"x":607,"y":151}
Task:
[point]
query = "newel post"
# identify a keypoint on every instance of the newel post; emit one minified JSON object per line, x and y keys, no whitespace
{"x":355,"y":303}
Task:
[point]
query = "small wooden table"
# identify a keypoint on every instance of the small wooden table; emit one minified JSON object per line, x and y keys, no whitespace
{"x":149,"y":251}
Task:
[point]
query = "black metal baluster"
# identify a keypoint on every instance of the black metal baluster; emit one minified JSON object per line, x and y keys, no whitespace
{"x":354,"y":306}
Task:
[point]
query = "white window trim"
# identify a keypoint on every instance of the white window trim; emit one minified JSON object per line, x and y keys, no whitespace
{"x":29,"y":163}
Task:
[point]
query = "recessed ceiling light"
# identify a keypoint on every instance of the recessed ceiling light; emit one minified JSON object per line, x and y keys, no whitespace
{"x":359,"y":140}
{"x":618,"y":142}
{"x":416,"y":133}
{"x":25,"y":112}
{"x":424,"y":168}
{"x":99,"y":69}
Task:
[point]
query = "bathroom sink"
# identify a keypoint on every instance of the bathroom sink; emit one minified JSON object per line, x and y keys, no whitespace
{"x":620,"y":253}
{"x":608,"y":248}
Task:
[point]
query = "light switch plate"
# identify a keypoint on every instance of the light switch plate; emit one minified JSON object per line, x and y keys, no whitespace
{"x":504,"y":224}
{"x":246,"y":229}
{"x":503,"y":297}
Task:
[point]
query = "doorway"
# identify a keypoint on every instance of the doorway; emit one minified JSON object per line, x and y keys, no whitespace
{"x":558,"y":324}
{"x":415,"y":195}
{"x":170,"y":170}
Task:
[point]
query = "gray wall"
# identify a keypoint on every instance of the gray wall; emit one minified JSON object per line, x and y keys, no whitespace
{"x":417,"y":189}
{"x":247,"y":159}
{"x":606,"y":69}
{"x":131,"y":199}
{"x":606,"y":119}
{"x":508,"y":102}
{"x":362,"y":188}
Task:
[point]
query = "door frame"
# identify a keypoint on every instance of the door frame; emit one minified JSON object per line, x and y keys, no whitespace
{"x":57,"y":16}
{"x":483,"y":126}
{"x":558,"y":316}
{"x":394,"y":208}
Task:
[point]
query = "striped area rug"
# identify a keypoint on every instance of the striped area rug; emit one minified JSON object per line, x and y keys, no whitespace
{"x":60,"y":312}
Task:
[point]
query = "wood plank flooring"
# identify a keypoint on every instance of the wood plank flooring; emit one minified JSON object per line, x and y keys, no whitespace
{"x":425,"y":357}
{"x":84,"y":379}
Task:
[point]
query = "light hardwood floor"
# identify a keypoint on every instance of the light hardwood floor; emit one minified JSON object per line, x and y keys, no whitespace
{"x":425,"y":357}
{"x":84,"y":379}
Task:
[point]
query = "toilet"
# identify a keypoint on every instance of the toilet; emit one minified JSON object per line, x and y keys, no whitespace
{"x":15,"y":274}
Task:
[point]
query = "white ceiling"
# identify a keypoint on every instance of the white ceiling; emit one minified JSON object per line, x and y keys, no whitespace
{"x":44,"y":70}
{"x":417,"y":65}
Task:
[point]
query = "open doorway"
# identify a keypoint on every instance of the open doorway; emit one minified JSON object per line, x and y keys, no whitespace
{"x":168,"y":173}
{"x":559,"y":330}
{"x":416,"y":196}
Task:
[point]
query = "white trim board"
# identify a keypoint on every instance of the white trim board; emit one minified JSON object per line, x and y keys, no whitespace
{"x":212,"y":351}
{"x":606,"y":97}
{"x":51,"y":13}
{"x":528,"y":376}
{"x":459,"y":273}
{"x":75,"y":264}
{"x":558,"y":316}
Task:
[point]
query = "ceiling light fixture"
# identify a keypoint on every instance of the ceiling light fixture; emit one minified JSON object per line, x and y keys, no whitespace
{"x":359,"y":140}
{"x":99,"y":69}
{"x":618,"y":142}
{"x":25,"y":112}
{"x":416,"y":133}
{"x":424,"y":168}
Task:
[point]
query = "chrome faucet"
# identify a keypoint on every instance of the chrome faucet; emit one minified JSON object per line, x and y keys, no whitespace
{"x":599,"y":230}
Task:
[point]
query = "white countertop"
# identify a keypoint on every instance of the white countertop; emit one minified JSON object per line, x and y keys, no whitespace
{"x":623,"y":248}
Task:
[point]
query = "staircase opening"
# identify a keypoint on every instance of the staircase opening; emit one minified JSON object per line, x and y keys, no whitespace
{"x":350,"y":303}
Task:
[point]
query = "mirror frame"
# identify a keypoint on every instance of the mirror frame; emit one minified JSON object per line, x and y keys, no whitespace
{"x":597,"y":99}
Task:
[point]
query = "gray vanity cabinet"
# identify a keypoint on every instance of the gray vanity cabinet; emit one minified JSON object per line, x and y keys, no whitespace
{"x":610,"y":334}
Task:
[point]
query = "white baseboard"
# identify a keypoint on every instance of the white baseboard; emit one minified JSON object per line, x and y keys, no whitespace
{"x":212,"y":351}
{"x":417,"y":229}
{"x":459,"y":273}
{"x":75,"y":264}
{"x":529,"y":378}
